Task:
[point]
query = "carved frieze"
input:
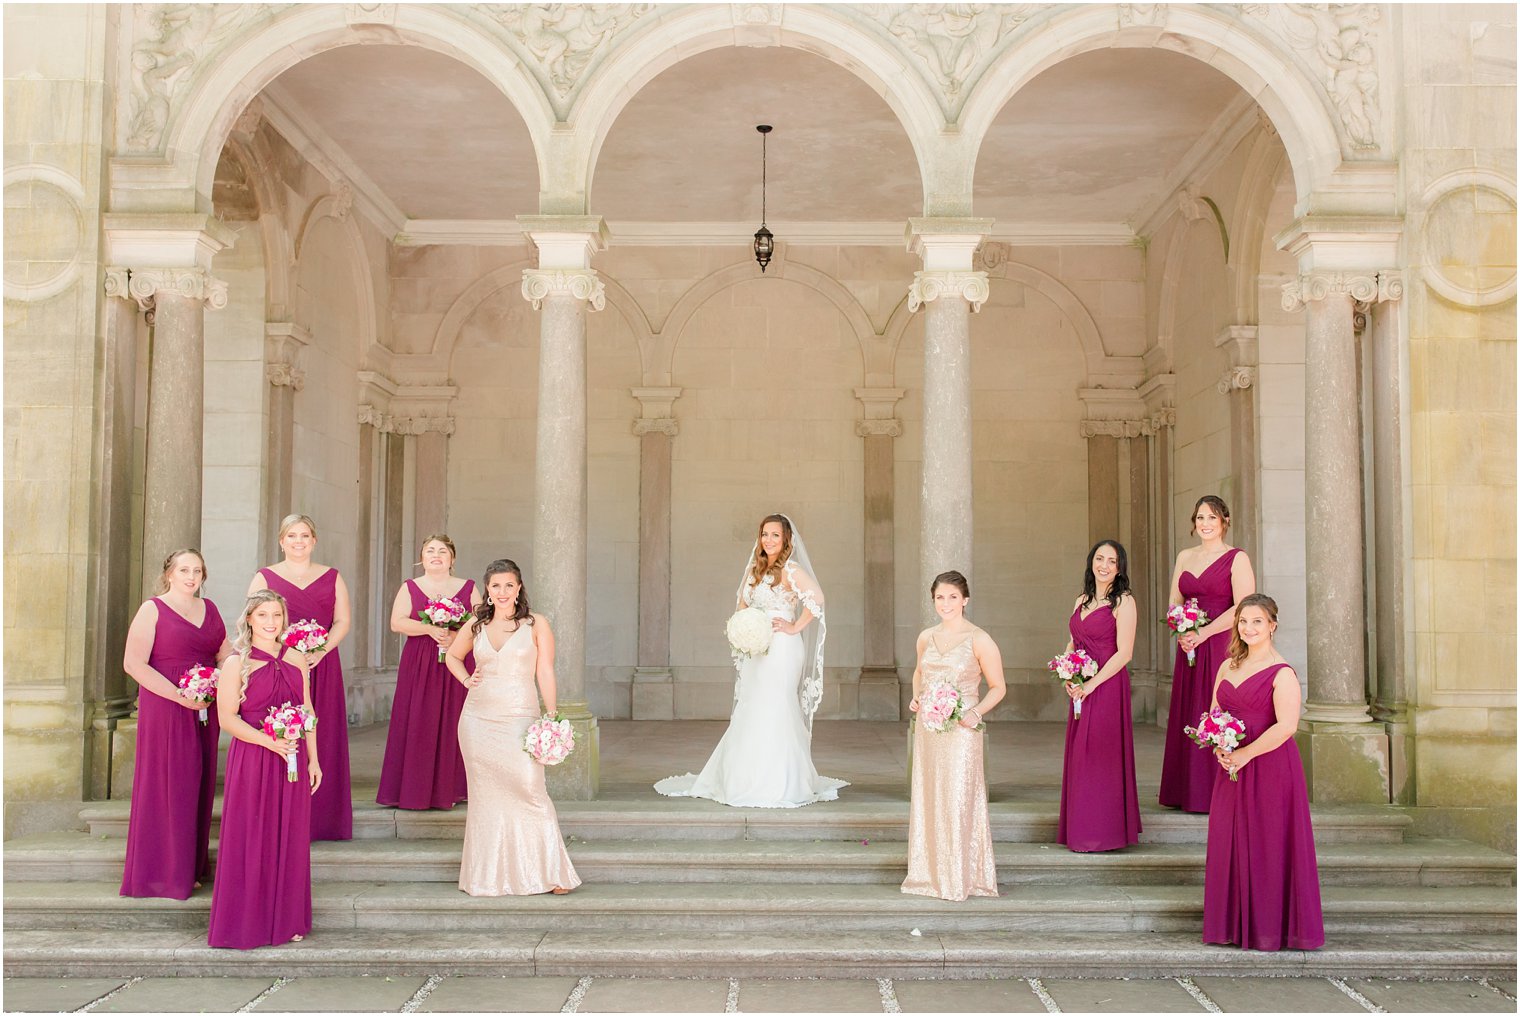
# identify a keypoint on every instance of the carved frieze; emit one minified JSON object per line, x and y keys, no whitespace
{"x":1339,"y":43}
{"x":563,"y":40}
{"x":950,"y":41}
{"x":930,"y":286}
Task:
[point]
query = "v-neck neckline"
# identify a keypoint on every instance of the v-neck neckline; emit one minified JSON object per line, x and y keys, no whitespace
{"x":205,"y":613}
{"x":320,"y":576}
{"x":946,"y":652}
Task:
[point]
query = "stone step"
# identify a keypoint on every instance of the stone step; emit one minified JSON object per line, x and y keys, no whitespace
{"x":438,"y":906}
{"x":1012,"y":822}
{"x":959,"y":954}
{"x":66,"y":857}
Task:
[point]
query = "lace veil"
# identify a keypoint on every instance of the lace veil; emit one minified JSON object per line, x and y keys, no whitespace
{"x":810,"y":684}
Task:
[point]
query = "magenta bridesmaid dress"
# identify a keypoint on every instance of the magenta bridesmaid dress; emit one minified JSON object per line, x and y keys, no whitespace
{"x":1100,"y":807}
{"x":423,"y":767}
{"x":1261,"y":879}
{"x":1187,"y":771}
{"x":332,"y":808}
{"x":174,"y":776}
{"x":262,"y":893}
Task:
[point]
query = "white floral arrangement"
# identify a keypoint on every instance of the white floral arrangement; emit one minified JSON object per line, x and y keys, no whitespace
{"x":749,"y":633}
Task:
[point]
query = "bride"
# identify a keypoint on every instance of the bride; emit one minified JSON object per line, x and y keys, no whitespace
{"x":765,"y":757}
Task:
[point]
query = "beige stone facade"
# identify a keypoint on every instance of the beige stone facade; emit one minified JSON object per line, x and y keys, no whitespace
{"x":1152,"y":251}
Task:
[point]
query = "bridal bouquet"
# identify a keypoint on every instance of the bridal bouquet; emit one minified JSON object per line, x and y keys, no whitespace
{"x":549,"y":740}
{"x":445,"y":612}
{"x":941,"y":707}
{"x":199,"y":682}
{"x":290,"y":722}
{"x":1217,"y":729}
{"x":1074,"y":667}
{"x":749,"y":633}
{"x":1183,"y":618}
{"x":305,"y":637}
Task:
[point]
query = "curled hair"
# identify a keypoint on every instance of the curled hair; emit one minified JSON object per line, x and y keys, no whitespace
{"x":1215,"y":502}
{"x":442,"y":538}
{"x":1238,"y":647}
{"x":243,"y":644}
{"x":163,"y":573}
{"x":1119,"y":586}
{"x":950,"y":578}
{"x":762,"y":566}
{"x":487,"y":610}
{"x":297,"y":519}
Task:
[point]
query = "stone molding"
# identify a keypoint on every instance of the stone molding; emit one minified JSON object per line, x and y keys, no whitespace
{"x":878,"y":409}
{"x":656,"y":425}
{"x":879,"y":428}
{"x":1459,"y":182}
{"x":143,"y":284}
{"x":370,"y":14}
{"x":1362,"y":287}
{"x":539,"y":284}
{"x":385,"y":423}
{"x":1112,"y":428}
{"x":1236,"y":379}
{"x":930,"y":286}
{"x":658,"y":416}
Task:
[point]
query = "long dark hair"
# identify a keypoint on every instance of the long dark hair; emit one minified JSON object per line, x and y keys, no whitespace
{"x":487,"y":610}
{"x":1120,"y":584}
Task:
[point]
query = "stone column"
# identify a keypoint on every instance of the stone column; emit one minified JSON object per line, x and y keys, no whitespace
{"x":283,"y":343}
{"x":562,"y":287}
{"x":950,"y":290}
{"x":1238,"y":384}
{"x":880,"y":695}
{"x":653,"y":693}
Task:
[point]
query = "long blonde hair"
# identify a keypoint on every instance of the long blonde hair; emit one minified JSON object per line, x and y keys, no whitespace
{"x":761,"y":566}
{"x":243,"y":644}
{"x":163,"y":573}
{"x":1238,"y":647}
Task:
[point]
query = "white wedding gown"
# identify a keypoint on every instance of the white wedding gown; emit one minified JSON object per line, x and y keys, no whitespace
{"x":765,"y":757}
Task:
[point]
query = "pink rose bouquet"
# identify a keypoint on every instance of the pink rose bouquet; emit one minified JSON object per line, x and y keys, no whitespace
{"x":305,"y":637}
{"x":199,"y":682}
{"x":445,"y":612}
{"x":1183,"y":618}
{"x":290,"y":722}
{"x":1075,"y":667}
{"x":1217,"y":729}
{"x":941,"y":707}
{"x":549,"y":740}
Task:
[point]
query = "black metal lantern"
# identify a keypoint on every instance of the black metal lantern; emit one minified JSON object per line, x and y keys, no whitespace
{"x":765,"y":241}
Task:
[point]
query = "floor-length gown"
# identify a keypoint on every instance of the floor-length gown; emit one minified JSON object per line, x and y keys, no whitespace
{"x":765,"y":757}
{"x":512,"y":842}
{"x":174,"y":772}
{"x":332,"y":807}
{"x":1261,"y":878}
{"x":1187,"y":773}
{"x":262,"y":894}
{"x":423,"y":767}
{"x":1100,"y":807}
{"x":949,"y":836}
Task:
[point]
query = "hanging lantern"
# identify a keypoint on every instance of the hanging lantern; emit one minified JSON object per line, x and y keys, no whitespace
{"x":765,"y":241}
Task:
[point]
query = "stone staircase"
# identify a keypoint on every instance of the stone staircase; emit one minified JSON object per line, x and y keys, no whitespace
{"x":688,"y":888}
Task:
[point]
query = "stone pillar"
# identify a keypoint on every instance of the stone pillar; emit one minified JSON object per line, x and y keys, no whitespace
{"x":283,"y":343}
{"x":562,"y":287}
{"x":950,"y":290}
{"x":653,"y":693}
{"x":880,"y":695}
{"x":1238,"y":384}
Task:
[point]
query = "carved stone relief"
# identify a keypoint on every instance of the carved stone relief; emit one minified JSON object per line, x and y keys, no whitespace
{"x":1339,"y":43}
{"x":951,"y":41}
{"x":563,"y":39}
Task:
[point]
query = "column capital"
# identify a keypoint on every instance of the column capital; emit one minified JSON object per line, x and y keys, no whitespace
{"x":878,"y":412}
{"x":657,"y":415}
{"x":1111,"y":428}
{"x":116,"y":283}
{"x":281,"y":374}
{"x":583,"y":284}
{"x":1235,"y":379}
{"x":1390,"y":286}
{"x":929,"y":286}
{"x":1312,"y":287}
{"x":144,"y":284}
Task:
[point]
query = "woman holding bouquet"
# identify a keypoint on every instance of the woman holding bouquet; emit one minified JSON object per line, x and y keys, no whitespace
{"x":316,"y":592}
{"x":1261,"y":877}
{"x":174,"y":775}
{"x":262,"y":894}
{"x":1100,"y":807}
{"x":512,"y":843}
{"x":423,"y":768}
{"x":949,"y":836}
{"x":765,"y":758}
{"x":1218,"y":576}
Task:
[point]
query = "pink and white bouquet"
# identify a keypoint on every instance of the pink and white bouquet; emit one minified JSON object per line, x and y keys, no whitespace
{"x":941,"y":707}
{"x":549,"y":740}
{"x":445,"y":612}
{"x":290,"y":722}
{"x":749,"y":633}
{"x":199,"y":682}
{"x":1075,"y":667}
{"x":305,"y":637}
{"x":1184,"y":617}
{"x":1217,"y":729}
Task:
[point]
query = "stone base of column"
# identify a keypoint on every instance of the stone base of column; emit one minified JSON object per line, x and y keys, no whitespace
{"x":1401,"y":760}
{"x":879,"y":696}
{"x":1142,"y":696}
{"x":1163,"y":698}
{"x":123,"y":755}
{"x":654,"y":694}
{"x":1345,"y":763}
{"x":578,"y":777}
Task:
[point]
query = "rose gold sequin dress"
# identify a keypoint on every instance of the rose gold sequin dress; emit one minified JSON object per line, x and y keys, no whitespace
{"x":949,"y":837}
{"x":512,"y":843}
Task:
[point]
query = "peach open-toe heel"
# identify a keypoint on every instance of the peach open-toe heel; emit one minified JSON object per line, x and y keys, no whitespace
{"x":297,"y":938}
{"x":560,"y":890}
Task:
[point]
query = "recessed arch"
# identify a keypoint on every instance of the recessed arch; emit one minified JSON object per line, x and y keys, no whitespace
{"x":279,"y":252}
{"x":332,"y":206}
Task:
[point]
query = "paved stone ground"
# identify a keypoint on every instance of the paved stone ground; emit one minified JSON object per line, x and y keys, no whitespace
{"x":625,"y":994}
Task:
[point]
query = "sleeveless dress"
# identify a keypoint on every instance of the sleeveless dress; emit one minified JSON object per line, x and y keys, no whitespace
{"x":1100,"y":807}
{"x":949,"y":836}
{"x":332,"y":807}
{"x":174,"y":775}
{"x":1187,"y":771}
{"x":1261,"y":878}
{"x":262,"y":894}
{"x":512,"y":842}
{"x":423,"y":768}
{"x":765,"y":757}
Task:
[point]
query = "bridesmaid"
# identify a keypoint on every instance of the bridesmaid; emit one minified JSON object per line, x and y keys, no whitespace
{"x":949,"y":836}
{"x":1100,"y":807}
{"x":512,"y":843}
{"x":315,"y":592}
{"x":1218,"y":576}
{"x":423,"y":768}
{"x":262,"y":893}
{"x":1261,"y":879}
{"x":174,"y":776}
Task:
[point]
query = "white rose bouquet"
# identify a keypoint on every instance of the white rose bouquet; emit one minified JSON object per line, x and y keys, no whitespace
{"x":749,"y":633}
